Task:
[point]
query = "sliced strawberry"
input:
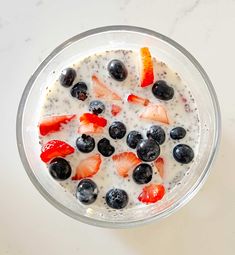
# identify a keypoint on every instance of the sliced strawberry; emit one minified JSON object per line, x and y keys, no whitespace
{"x":89,"y":129}
{"x":125,"y":162}
{"x":159,"y":164}
{"x":94,"y":119}
{"x":101,"y":90}
{"x":55,"y":148}
{"x":147,"y":76}
{"x":88,"y":167}
{"x":152,"y":193}
{"x":137,"y":100}
{"x":53,"y":123}
{"x":115,"y":109}
{"x":91,"y":124}
{"x":156,"y":113}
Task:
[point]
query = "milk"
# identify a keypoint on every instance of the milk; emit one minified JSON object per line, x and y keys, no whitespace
{"x":182,"y":111}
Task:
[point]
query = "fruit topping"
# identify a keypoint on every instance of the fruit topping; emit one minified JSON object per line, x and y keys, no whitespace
{"x":87,"y":167}
{"x":146,"y":76}
{"x":85,"y":143}
{"x":157,"y":133}
{"x":183,"y":153}
{"x":133,"y":139}
{"x":105,"y":148}
{"x":142,"y":174}
{"x":55,"y":148}
{"x":91,"y":123}
{"x":125,"y":162}
{"x":115,"y":110}
{"x":87,"y":191}
{"x":137,"y":100}
{"x":177,"y":133}
{"x":94,"y":119}
{"x":67,"y":77}
{"x":96,"y":107}
{"x":60,"y":169}
{"x":54,"y":123}
{"x":162,"y":91}
{"x":100,"y":90}
{"x":159,"y":164}
{"x":116,"y":198}
{"x":148,"y":150}
{"x":79,"y":91}
{"x":152,"y":193}
{"x":117,"y":70}
{"x":117,"y":130}
{"x":86,"y":128}
{"x":155,"y":113}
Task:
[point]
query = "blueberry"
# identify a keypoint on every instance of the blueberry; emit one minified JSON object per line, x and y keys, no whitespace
{"x":79,"y":90}
{"x":178,"y":133}
{"x":96,"y":107}
{"x":67,"y":77}
{"x":133,"y":138}
{"x":143,"y":173}
{"x":148,"y":150}
{"x":85,"y":143}
{"x":105,"y":148}
{"x":116,"y":198}
{"x":157,"y":133}
{"x":117,"y":70}
{"x":87,"y":191}
{"x":162,"y":91}
{"x":117,"y":130}
{"x":183,"y":153}
{"x":60,"y":169}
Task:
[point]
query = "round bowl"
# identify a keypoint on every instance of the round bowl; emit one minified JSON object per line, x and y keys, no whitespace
{"x":109,"y":38}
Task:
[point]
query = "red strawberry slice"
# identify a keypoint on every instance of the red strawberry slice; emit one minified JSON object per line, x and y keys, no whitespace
{"x":55,"y":148}
{"x":156,"y":113}
{"x":92,"y":118}
{"x":152,"y":193}
{"x":54,"y":123}
{"x":159,"y":164}
{"x":91,"y":124}
{"x":115,"y":109}
{"x":88,"y":167}
{"x":147,"y":76}
{"x":89,"y":129}
{"x":125,"y":162}
{"x":137,"y":100}
{"x":101,"y":90}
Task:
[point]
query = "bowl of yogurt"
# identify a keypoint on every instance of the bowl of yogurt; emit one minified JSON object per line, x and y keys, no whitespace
{"x":118,"y":126}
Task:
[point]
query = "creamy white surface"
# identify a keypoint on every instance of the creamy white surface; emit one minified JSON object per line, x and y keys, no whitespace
{"x":58,"y":101}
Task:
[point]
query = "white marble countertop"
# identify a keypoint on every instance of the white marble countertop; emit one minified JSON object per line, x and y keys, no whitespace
{"x":29,"y":30}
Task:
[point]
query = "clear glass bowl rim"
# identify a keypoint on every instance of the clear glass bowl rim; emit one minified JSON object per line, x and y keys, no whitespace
{"x":181,"y":202}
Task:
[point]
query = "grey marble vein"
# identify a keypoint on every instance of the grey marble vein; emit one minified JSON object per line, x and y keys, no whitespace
{"x":185,"y":12}
{"x":126,"y":2}
{"x":28,"y":39}
{"x":38,"y":3}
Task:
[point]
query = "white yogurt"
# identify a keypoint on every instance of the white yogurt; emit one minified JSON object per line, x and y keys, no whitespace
{"x":181,"y":110}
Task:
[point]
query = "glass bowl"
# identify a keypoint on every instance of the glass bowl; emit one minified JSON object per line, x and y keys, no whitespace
{"x":109,"y":38}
